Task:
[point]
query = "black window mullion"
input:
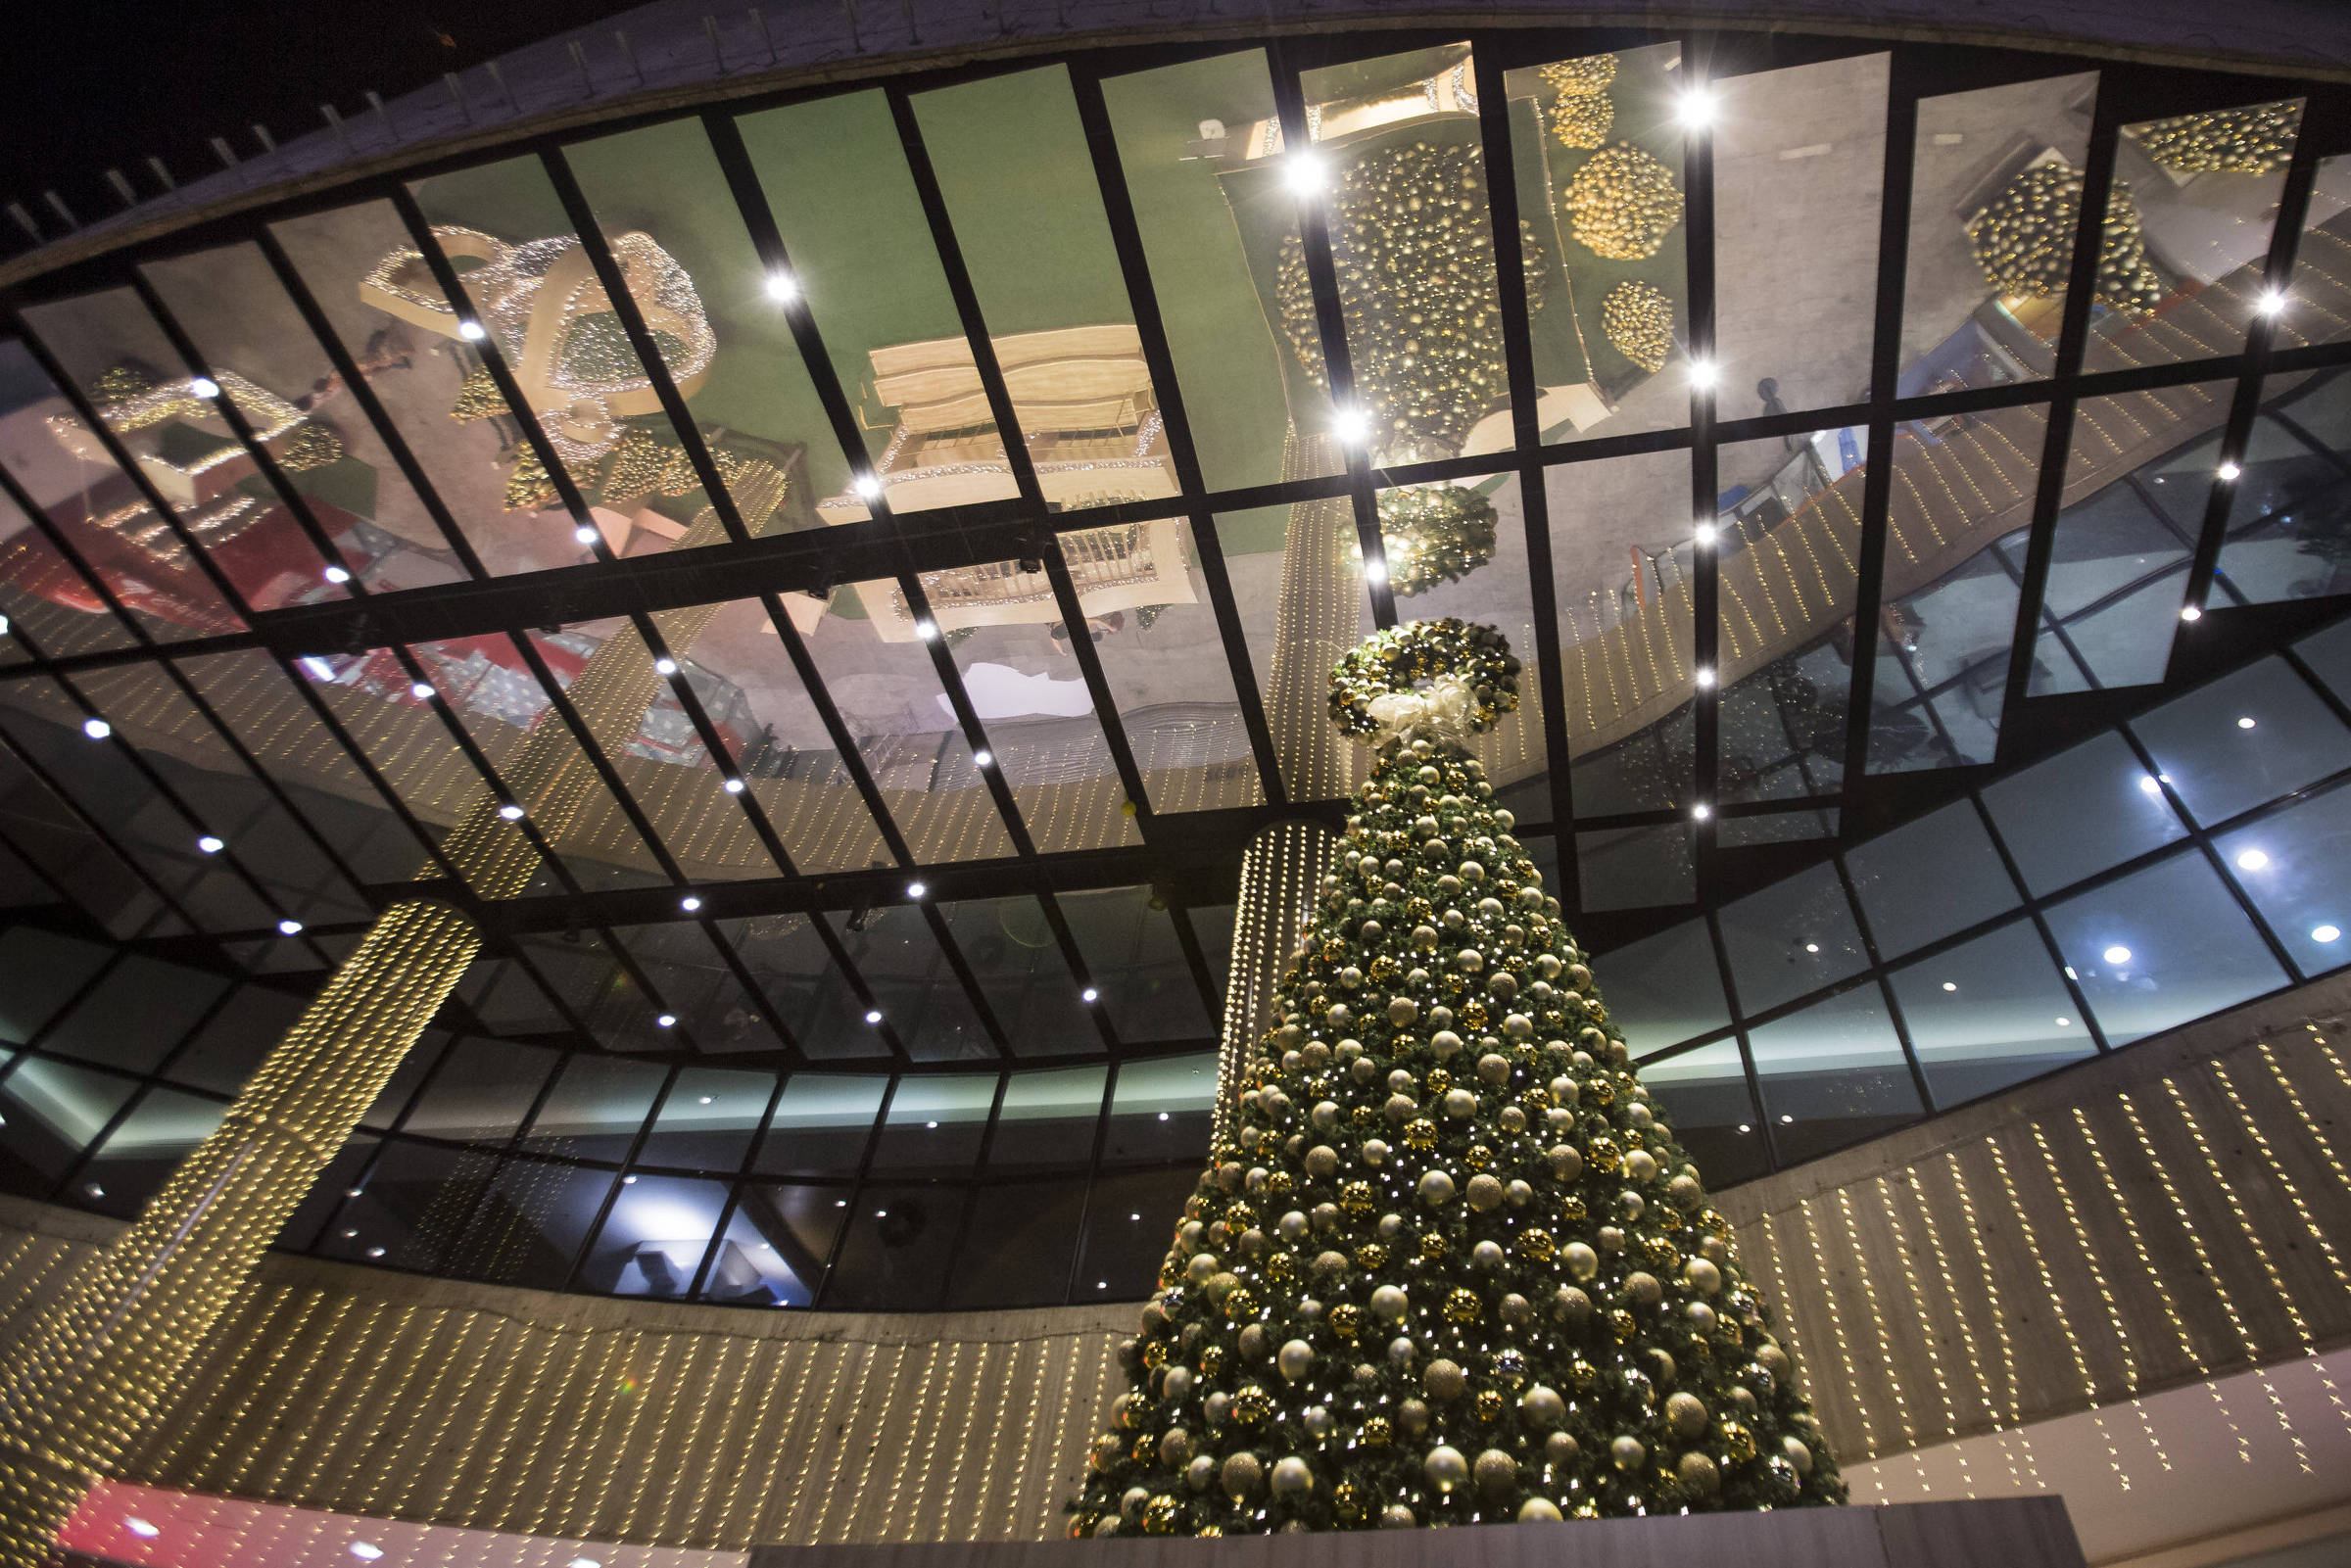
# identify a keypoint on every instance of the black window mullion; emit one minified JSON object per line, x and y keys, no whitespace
{"x":594,"y":1232}
{"x":1080,"y":974}
{"x":818,"y":1289}
{"x":593,"y":751}
{"x":1093,"y":1174}
{"x":1697,"y":225}
{"x":836,"y":729}
{"x":743,"y":1170}
{"x":966,"y":716}
{"x":2041,"y":923}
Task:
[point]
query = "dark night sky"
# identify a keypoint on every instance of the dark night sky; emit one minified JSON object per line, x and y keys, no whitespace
{"x":106,"y":83}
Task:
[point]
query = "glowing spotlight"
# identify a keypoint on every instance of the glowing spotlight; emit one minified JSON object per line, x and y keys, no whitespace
{"x":364,"y":1550}
{"x":982,"y":759}
{"x":1304,"y":174}
{"x":667,"y":1020}
{"x":1701,"y":811}
{"x":1951,"y":985}
{"x":1811,"y":948}
{"x":2245,"y":723}
{"x":783,"y":286}
{"x":1089,"y":994}
{"x":2065,"y":1024}
{"x":96,"y":729}
{"x":872,"y":1014}
{"x":2252,"y":860}
{"x":1375,"y":570}
{"x":2189,"y":612}
{"x":141,"y":1528}
{"x":511,"y":810}
{"x":1352,"y":426}
{"x":1704,"y":535}
{"x":1706,"y":678}
{"x":690,"y":903}
{"x":211,"y":844}
{"x":471,"y":331}
{"x":289,"y":928}
{"x":915,"y":889}
{"x":1702,"y":375}
{"x":2117,"y":954}
{"x":867,"y":486}
{"x":2147,"y":783}
{"x":205,"y":387}
{"x":1694,"y":109}
{"x":2226,"y":472}
{"x":927,"y":630}
{"x":586,"y":535}
{"x":665,"y":665}
{"x":422,"y":691}
{"x":336,"y":574}
{"x":2271,"y":303}
{"x":2325,"y":934}
{"x":734,"y":786}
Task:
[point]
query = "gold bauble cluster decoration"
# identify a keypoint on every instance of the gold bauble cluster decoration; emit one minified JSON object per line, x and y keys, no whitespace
{"x":2235,"y":141}
{"x":1579,"y":78}
{"x":314,"y":445}
{"x":1396,"y":659}
{"x":528,"y":487}
{"x":1638,"y":319}
{"x":1412,"y":247}
{"x":2024,"y":240}
{"x":1623,"y":203}
{"x":1434,"y":533}
{"x":479,"y":398}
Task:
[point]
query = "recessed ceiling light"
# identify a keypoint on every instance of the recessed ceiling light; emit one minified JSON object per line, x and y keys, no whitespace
{"x":336,"y":574}
{"x":511,"y":810}
{"x":2228,"y":471}
{"x":1375,"y":570}
{"x":2271,"y":302}
{"x":783,"y":286}
{"x":872,"y":1014}
{"x":422,"y":691}
{"x":1705,"y":677}
{"x":205,"y":387}
{"x":1811,"y":948}
{"x":211,"y":845}
{"x":933,"y":1125}
{"x":586,"y":535}
{"x":2065,"y":1024}
{"x":667,"y":1020}
{"x":289,"y":928}
{"x":1351,"y":426}
{"x":690,"y":903}
{"x":734,"y":786}
{"x":1951,"y":985}
{"x":1695,"y":107}
{"x":141,"y":1528}
{"x":2189,"y":612}
{"x":1163,"y":1116}
{"x":926,"y":629}
{"x":376,"y":1252}
{"x":983,"y":758}
{"x":2117,"y":954}
{"x":1701,"y":811}
{"x":1702,"y":374}
{"x":665,"y":665}
{"x":2252,"y":860}
{"x":96,"y":729}
{"x":2245,"y":723}
{"x":917,"y":889}
{"x":2147,"y":783}
{"x":2325,"y":934}
{"x":1785,"y":1119}
{"x":1304,"y":173}
{"x":364,"y":1550}
{"x":868,"y":486}
{"x":1133,"y":1218}
{"x":1706,"y":534}
{"x":628,"y":1181}
{"x":705,"y":1100}
{"x":1743,"y":1127}
{"x":471,"y":331}
{"x":1091,"y":994}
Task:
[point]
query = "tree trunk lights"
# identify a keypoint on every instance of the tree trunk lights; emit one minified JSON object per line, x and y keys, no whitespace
{"x":100,"y":1364}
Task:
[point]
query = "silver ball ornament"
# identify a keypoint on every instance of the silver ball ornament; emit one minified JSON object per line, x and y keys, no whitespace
{"x":1445,"y":1467}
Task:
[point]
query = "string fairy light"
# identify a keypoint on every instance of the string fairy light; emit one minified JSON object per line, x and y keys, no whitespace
{"x":1877,"y":1323}
{"x":1967,"y":1334}
{"x":2220,"y":1285}
{"x":2098,"y":1281}
{"x":2120,"y":1205}
{"x":1921,"y":1315}
{"x":1844,"y":1350}
{"x":1974,"y":1229}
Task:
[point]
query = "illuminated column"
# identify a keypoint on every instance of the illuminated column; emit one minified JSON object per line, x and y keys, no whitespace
{"x":1316,"y":619}
{"x":100,"y":1364}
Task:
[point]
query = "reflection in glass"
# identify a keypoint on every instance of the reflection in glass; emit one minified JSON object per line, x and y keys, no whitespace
{"x":1664,"y":989}
{"x":900,"y":1246}
{"x":2296,"y":868}
{"x":529,"y":1223}
{"x":911,"y":982}
{"x":2290,"y":512}
{"x":1048,"y":1119}
{"x":697,"y":989}
{"x":1928,"y":879}
{"x":796,"y":973}
{"x":2198,"y":192}
{"x":1298,"y":585}
{"x":1832,"y":1074}
{"x":1597,"y":144}
{"x":936,"y":1124}
{"x":653,"y":1241}
{"x":1986,"y":291}
{"x":145,"y":1007}
{"x":42,"y":972}
{"x":1017,"y":1250}
{"x":776,"y":1246}
{"x":1636,"y":868}
{"x":1987,"y":1013}
{"x":595,"y":1108}
{"x":1706,"y":1098}
{"x":1137,"y":965}
{"x":2244,"y":739}
{"x":2161,"y":946}
{"x":2079,"y":812}
{"x":53,"y":1111}
{"x":52,"y":610}
{"x":708,"y":1119}
{"x":413,"y":1199}
{"x":1012,"y":170}
{"x":1787,"y":537}
{"x":482,"y":1091}
{"x":1792,"y":937}
{"x":1129,"y":1217}
{"x":1792,"y":301}
{"x":1018,"y":961}
{"x":1623,"y":560}
{"x":144,"y":1149}
{"x":821,"y":1125}
{"x":97,"y":511}
{"x":1201,"y":174}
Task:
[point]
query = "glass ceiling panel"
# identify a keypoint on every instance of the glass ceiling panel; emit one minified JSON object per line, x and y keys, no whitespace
{"x":878,"y":672}
{"x":103,"y":517}
{"x":1794,"y":300}
{"x":1298,"y":585}
{"x":534,"y":294}
{"x":798,"y":975}
{"x":392,"y":321}
{"x":1623,"y":560}
{"x":1202,"y":161}
{"x":1598,"y":149}
{"x":2317,"y":295}
{"x":699,"y":987}
{"x":74,"y":861}
{"x":2204,"y":191}
{"x":1402,"y":163}
{"x":50,"y":607}
{"x":1994,"y":196}
{"x":490,"y":688}
{"x":1461,"y":551}
{"x":753,"y":401}
{"x":708,"y":1119}
{"x":2289,"y":513}
{"x":659,"y":754}
{"x":1947,"y":600}
{"x":255,"y":701}
{"x":780,"y":748}
{"x":232,"y":305}
{"x":835,"y":179}
{"x":1788,"y":543}
{"x":917,"y":990}
{"x":822,"y":1125}
{"x":1013,"y":168}
{"x":1137,"y":965}
{"x":1012,"y":648}
{"x":118,"y":357}
{"x":1166,"y":668}
{"x":1013,"y":952}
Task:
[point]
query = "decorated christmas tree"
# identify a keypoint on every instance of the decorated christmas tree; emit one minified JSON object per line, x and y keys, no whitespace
{"x":1449,"y":1266}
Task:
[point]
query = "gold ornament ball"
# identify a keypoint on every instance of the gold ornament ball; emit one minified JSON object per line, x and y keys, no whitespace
{"x":1623,"y":203}
{"x":1638,"y":319}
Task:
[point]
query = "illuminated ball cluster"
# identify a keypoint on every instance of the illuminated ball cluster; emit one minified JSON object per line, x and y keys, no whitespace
{"x":1579,"y":78}
{"x":1450,"y":1266}
{"x":1623,"y":203}
{"x":1582,"y":114}
{"x":2236,"y":141}
{"x":1638,"y":319}
{"x":1434,"y":533}
{"x":2024,"y":240}
{"x":1402,"y":656}
{"x":1412,"y":244}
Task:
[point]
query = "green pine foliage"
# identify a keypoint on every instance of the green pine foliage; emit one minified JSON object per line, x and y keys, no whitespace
{"x":1450,"y":1266}
{"x":1434,"y":533}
